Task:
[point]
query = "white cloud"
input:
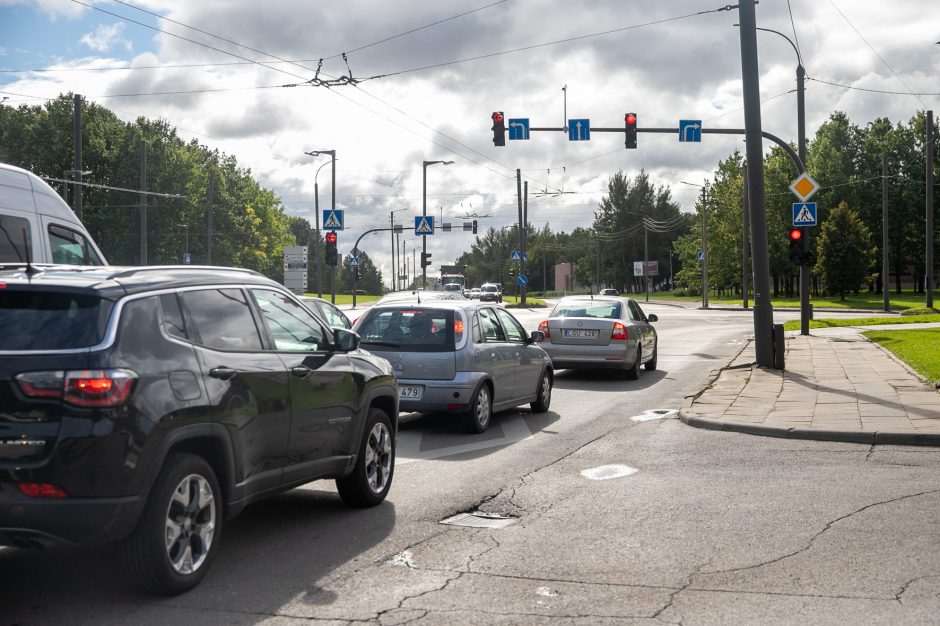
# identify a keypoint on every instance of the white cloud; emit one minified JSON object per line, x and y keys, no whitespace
{"x":105,"y":37}
{"x":54,"y":9}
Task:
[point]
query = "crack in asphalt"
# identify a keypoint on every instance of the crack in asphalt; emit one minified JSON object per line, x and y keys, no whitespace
{"x":825,"y":528}
{"x":905,"y":586}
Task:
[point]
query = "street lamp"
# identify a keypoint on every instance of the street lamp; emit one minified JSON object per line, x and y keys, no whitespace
{"x":424,"y":212}
{"x":704,"y":189}
{"x":316,"y":210}
{"x":391,"y":219}
{"x":186,"y":257}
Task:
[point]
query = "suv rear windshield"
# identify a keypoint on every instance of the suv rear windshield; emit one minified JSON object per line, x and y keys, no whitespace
{"x":51,"y":321}
{"x":411,"y":329}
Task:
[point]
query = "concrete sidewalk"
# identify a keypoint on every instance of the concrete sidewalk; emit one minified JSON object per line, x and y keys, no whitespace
{"x":837,"y":386}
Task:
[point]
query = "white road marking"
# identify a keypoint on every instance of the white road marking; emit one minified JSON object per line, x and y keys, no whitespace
{"x":606,"y":472}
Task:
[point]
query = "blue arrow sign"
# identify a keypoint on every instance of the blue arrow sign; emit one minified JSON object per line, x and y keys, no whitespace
{"x":522,"y":280}
{"x":699,"y":256}
{"x":690,"y":130}
{"x":519,"y":128}
{"x":424,"y":224}
{"x":804,"y":213}
{"x":579,"y":130}
{"x":333,"y":220}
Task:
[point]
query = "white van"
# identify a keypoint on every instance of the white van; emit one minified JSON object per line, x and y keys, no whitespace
{"x":31,"y":211}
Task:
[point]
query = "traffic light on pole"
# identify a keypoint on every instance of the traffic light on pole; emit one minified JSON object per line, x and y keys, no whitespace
{"x":796,"y":246}
{"x":474,"y":227}
{"x":499,"y":129}
{"x":330,"y":255}
{"x":629,"y":121}
{"x":425,"y":259}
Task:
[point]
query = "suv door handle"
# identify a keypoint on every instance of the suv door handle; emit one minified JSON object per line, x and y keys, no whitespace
{"x":301,"y":371}
{"x":223,"y":373}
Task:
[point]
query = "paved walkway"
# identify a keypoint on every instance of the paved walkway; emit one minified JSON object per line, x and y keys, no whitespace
{"x":837,"y":386}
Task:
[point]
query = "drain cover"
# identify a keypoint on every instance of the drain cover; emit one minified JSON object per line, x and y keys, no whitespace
{"x":479,"y":519}
{"x":606,"y":472}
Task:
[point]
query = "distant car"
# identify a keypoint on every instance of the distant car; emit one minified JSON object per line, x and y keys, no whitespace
{"x":463,"y":357}
{"x":475,"y":293}
{"x":419,"y":295}
{"x":327,"y":311}
{"x":600,"y":332}
{"x":491,"y":292}
{"x":609,"y":292}
{"x":453,"y":287}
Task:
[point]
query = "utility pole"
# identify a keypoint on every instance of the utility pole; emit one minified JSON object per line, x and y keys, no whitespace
{"x":316,"y":211}
{"x":884,"y":231}
{"x":705,"y":287}
{"x":143,"y":202}
{"x":523,"y":262}
{"x":77,"y":162}
{"x":209,"y":218}
{"x":391,"y":222}
{"x":744,"y":228}
{"x":928,"y":266}
{"x":763,"y":308}
{"x":646,"y":260}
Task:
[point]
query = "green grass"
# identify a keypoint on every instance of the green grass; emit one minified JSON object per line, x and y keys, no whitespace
{"x":864,"y":300}
{"x":865,"y":321}
{"x":513,"y":302}
{"x":918,"y":348}
{"x":346,"y":298}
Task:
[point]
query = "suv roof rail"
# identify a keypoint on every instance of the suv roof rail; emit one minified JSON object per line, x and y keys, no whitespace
{"x":130,"y":271}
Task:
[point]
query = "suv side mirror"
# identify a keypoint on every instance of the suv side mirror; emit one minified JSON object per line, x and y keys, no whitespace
{"x":537,"y":336}
{"x":345,"y":340}
{"x":652,"y":318}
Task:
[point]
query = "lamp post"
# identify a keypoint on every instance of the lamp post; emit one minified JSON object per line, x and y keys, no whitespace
{"x":704,"y":189}
{"x":316,"y":210}
{"x":424,"y":212}
{"x":186,"y":257}
{"x":391,"y":219}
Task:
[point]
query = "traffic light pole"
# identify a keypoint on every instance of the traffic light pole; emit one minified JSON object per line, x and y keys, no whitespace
{"x":355,"y":253}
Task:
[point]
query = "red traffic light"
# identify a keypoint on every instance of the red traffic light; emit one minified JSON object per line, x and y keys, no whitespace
{"x":331,"y":237}
{"x":796,"y":234}
{"x":497,"y":117}
{"x":630,"y":118}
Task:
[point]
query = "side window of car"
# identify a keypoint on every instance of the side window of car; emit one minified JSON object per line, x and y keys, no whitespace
{"x":16,"y":238}
{"x":477,"y":333}
{"x":514,"y":329}
{"x":70,"y":247}
{"x":173,"y":317}
{"x":336,"y":317}
{"x":492,"y":331}
{"x":635,"y":312}
{"x":220,"y":319}
{"x":292,"y":326}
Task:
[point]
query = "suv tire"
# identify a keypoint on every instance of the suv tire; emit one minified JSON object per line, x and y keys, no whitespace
{"x":371,"y":478}
{"x":185,"y":499}
{"x":477,"y":418}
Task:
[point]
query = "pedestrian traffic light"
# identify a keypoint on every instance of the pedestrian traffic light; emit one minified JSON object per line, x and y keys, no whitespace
{"x":499,"y":129}
{"x":796,"y":246}
{"x":425,"y":259}
{"x":356,"y":273}
{"x":629,"y":121}
{"x":330,"y":255}
{"x":474,"y":227}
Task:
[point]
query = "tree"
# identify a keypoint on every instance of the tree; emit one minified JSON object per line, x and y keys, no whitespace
{"x":845,"y":251}
{"x":370,"y":278}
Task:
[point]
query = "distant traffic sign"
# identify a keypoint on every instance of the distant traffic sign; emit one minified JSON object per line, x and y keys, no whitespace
{"x":804,"y":213}
{"x":690,"y":130}
{"x":803,"y":187}
{"x":518,"y":128}
{"x":424,"y":224}
{"x":353,"y":261}
{"x":516,"y":255}
{"x":699,"y":256}
{"x":333,"y":219}
{"x":579,"y":130}
{"x":522,"y":280}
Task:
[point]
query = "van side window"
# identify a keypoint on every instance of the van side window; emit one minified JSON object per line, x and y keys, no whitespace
{"x":70,"y":247}
{"x":14,"y":239}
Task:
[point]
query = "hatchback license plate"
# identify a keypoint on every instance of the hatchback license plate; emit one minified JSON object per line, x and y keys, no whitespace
{"x":410,"y":392}
{"x":576,"y":333}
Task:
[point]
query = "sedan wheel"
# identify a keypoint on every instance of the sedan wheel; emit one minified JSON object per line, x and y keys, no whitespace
{"x":651,"y":364}
{"x":477,"y":419}
{"x":543,"y":397}
{"x":634,"y":372}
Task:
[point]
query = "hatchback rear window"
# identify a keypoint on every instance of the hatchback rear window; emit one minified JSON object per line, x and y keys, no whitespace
{"x":51,"y":321}
{"x":412,"y":329}
{"x":589,"y":309}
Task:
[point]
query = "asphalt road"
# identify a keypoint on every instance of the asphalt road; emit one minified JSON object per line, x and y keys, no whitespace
{"x":696,"y":527}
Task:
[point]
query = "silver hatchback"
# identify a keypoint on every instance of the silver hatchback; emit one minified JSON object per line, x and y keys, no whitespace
{"x":600,"y":332}
{"x":462,"y":357}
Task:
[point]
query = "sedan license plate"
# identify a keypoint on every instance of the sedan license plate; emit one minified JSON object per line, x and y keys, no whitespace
{"x":410,"y":392}
{"x":577,"y":333}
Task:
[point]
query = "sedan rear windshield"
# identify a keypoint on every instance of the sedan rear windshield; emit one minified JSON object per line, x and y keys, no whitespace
{"x":50,"y":321}
{"x":411,"y":329}
{"x":608,"y":310}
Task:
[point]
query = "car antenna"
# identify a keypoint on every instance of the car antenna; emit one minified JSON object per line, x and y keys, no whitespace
{"x":30,"y":270}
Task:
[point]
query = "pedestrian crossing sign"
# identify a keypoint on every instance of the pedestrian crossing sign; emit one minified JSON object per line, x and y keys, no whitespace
{"x":333,"y":220}
{"x":424,"y":224}
{"x":804,"y":213}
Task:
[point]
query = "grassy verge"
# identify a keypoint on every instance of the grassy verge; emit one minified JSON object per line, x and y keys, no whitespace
{"x":865,"y":300}
{"x":864,"y":321}
{"x":918,"y":348}
{"x":513,"y":302}
{"x":345,"y":298}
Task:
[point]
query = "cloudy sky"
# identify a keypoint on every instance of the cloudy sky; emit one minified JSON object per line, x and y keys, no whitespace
{"x":433,"y":72}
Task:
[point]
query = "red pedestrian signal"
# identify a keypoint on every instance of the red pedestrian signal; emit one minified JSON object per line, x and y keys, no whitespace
{"x":629,"y":121}
{"x":499,"y":129}
{"x":795,"y":252}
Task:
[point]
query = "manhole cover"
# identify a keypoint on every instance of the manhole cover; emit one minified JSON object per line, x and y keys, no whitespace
{"x":480,"y":519}
{"x":606,"y":472}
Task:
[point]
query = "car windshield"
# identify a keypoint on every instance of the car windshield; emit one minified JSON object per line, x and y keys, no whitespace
{"x":609,"y":310}
{"x":51,"y":321}
{"x":411,"y":329}
{"x":489,"y":288}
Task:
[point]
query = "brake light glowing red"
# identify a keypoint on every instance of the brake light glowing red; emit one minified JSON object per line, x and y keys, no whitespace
{"x":619,"y":331}
{"x":98,"y":388}
{"x":543,"y":326}
{"x":41,"y":490}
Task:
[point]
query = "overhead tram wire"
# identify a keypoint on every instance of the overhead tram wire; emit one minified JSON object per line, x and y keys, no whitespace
{"x":865,"y":89}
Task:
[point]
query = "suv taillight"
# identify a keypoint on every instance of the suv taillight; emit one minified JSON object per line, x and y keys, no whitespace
{"x":85,"y":388}
{"x":543,"y":326}
{"x":619,"y":331}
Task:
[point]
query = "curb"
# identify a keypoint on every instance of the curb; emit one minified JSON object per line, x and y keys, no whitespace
{"x":847,"y":436}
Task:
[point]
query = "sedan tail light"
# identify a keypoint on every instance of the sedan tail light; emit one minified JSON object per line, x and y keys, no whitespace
{"x":85,"y":388}
{"x":619,"y":331}
{"x":543,"y":326}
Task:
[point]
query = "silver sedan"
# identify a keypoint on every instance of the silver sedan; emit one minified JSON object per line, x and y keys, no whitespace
{"x":600,"y":332}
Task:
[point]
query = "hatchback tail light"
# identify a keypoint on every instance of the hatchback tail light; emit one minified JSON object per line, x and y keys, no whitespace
{"x":458,"y":330}
{"x":543,"y":326}
{"x":85,"y":388}
{"x":619,"y":331}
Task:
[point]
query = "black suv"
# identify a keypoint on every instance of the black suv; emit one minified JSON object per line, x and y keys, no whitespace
{"x":146,"y":405}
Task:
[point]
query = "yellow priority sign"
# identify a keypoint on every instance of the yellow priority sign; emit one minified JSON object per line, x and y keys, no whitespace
{"x":803,"y":187}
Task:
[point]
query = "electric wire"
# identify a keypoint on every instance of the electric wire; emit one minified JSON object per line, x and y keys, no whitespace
{"x":884,"y":91}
